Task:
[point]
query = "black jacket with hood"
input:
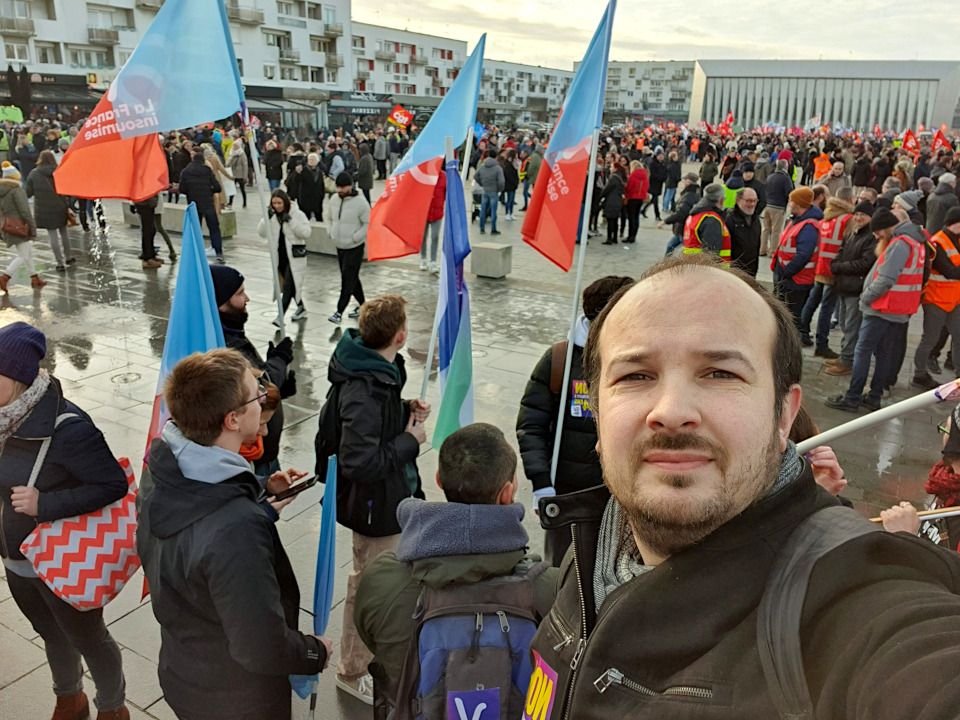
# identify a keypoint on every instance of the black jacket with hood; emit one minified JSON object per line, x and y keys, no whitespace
{"x":222,"y":586}
{"x":376,"y":457}
{"x":853,"y":262}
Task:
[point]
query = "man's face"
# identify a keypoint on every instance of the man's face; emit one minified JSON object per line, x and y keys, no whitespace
{"x":235,"y":309}
{"x":344,"y":191}
{"x":687,"y":433}
{"x":860,"y":220}
{"x":748,"y":175}
{"x":864,"y":197}
{"x":953,"y":229}
{"x":837,"y":169}
{"x":747,"y":202}
{"x":249,"y":414}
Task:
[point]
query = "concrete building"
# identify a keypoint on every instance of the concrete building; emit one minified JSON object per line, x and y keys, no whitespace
{"x":650,"y":91}
{"x":851,"y":94}
{"x":513,"y":93}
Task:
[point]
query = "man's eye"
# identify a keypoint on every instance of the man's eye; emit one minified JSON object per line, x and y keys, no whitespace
{"x":723,"y":375}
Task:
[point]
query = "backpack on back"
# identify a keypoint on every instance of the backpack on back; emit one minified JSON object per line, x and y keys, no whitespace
{"x":469,"y":656}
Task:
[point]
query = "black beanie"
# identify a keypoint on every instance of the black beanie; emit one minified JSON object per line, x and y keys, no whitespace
{"x":226,"y":282}
{"x":344,"y":179}
{"x":867,"y":208}
{"x":953,"y":216}
{"x":883,"y":219}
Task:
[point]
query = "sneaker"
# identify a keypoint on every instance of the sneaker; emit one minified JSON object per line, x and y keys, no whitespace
{"x":839,"y":369}
{"x":495,"y":232}
{"x":826,"y":353}
{"x":361,"y":688}
{"x":434,"y":268}
{"x":482,"y":231}
{"x":806,"y":341}
{"x":423,"y":263}
{"x":924,"y":381}
{"x":934,"y":367}
{"x":869,"y":403}
{"x":355,"y":313}
{"x":152,"y":264}
{"x":61,"y":268}
{"x":335,"y":318}
{"x":211,"y":252}
{"x":839,"y":402}
{"x":221,"y":260}
{"x":71,"y":261}
{"x":300,"y":313}
{"x":278,"y":321}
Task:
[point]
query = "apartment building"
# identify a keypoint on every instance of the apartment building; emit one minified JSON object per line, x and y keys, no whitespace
{"x":653,"y":91}
{"x":514,"y":93}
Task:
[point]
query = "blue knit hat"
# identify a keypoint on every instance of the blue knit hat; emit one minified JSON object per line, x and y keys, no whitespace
{"x":22,"y":347}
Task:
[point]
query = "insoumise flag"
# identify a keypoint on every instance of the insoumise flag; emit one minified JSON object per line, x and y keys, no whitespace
{"x":456,"y":351}
{"x":400,"y":214}
{"x":550,"y":226}
{"x":194,"y":324}
{"x":183,"y":72}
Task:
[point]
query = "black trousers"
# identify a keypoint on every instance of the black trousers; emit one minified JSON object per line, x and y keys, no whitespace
{"x":633,"y":218}
{"x":381,"y":169}
{"x":794,"y":299}
{"x":350,"y":262}
{"x":289,"y":290}
{"x":148,"y":231}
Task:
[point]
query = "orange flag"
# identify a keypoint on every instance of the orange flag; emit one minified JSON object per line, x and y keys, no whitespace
{"x":133,"y":169}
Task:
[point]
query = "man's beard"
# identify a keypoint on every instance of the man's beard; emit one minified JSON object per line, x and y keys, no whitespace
{"x":667,"y":528}
{"x":234,"y":318}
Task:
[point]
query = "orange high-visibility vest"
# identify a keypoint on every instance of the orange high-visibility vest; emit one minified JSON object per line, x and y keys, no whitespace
{"x":821,"y":166}
{"x":904,"y":297}
{"x":787,"y":250}
{"x":831,"y":236}
{"x":940,"y":290}
{"x":691,"y":235}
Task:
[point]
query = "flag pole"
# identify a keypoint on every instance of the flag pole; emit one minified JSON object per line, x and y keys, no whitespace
{"x":584,"y":230}
{"x":250,"y":135}
{"x":428,"y":367}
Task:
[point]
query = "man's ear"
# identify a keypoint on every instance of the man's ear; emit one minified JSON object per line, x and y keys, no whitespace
{"x":508,"y":492}
{"x":791,"y":406}
{"x":231,"y":421}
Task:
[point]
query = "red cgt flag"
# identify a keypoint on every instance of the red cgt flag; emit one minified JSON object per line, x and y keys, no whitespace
{"x":910,"y":143}
{"x":940,"y":142}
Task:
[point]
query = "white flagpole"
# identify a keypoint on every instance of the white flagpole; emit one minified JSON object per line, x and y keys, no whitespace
{"x":448,"y":156}
{"x":947,"y":391}
{"x":575,"y":313}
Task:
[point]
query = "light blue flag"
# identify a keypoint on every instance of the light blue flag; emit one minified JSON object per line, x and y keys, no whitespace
{"x":323,"y":581}
{"x":478,"y":132}
{"x":194,"y":323}
{"x":456,"y":351}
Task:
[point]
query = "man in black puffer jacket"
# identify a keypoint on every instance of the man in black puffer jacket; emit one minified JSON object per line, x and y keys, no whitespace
{"x":850,"y":268}
{"x":578,"y":466}
{"x":689,"y":197}
{"x":199,"y":184}
{"x":222,"y":586}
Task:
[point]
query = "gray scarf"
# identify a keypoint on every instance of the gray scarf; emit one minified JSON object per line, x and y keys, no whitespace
{"x":13,"y":415}
{"x":618,"y":558}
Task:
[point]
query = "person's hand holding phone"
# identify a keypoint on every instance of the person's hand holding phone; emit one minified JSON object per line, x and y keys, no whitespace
{"x":282,"y":480}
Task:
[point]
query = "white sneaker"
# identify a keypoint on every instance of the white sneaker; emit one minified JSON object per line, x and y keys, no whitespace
{"x":211,"y":252}
{"x":434,"y":268}
{"x":361,"y":688}
{"x":423,"y":263}
{"x":300,"y":314}
{"x":278,"y":320}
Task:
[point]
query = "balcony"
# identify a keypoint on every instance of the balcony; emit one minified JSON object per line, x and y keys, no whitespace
{"x":289,"y":55}
{"x":22,"y":27}
{"x":332,"y":60}
{"x":333,"y":30}
{"x":246,"y":15}
{"x":102,"y":36}
{"x":149,"y":4}
{"x":363,"y":74}
{"x":486,"y":77}
{"x":436,"y":82}
{"x":418,"y":59}
{"x":388,"y":55}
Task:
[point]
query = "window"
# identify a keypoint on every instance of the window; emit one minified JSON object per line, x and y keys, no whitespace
{"x":288,"y":73}
{"x":270,"y":72}
{"x":99,"y":18}
{"x":316,"y":75}
{"x":331,"y":76}
{"x":90,"y":58}
{"x":240,"y":66}
{"x":387,"y":67}
{"x":123,"y":55}
{"x":442,"y":54}
{"x":271,"y":39}
{"x":284,"y":8}
{"x":16,"y":51}
{"x":48,"y":53}
{"x":319,"y":44}
{"x":330,"y":16}
{"x":15,"y":8}
{"x":359,"y":42}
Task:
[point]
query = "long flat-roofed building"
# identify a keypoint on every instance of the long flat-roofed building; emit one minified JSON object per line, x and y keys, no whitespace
{"x":847,"y":93}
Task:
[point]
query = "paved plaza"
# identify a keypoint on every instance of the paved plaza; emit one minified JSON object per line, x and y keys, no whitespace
{"x":106,"y":318}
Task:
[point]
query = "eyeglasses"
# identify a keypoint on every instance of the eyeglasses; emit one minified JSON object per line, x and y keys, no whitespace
{"x":260,"y":397}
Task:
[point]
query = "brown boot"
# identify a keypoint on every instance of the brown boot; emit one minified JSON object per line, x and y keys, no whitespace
{"x":839,"y":369}
{"x":120,"y":713}
{"x":72,"y":707}
{"x":36,"y":282}
{"x":4,"y":279}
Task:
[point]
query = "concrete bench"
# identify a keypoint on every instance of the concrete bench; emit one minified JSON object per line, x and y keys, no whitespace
{"x":173,"y":219}
{"x":320,"y":240}
{"x":491,"y":260}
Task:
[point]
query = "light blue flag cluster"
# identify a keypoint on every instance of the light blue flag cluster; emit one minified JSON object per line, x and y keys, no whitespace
{"x":456,"y":348}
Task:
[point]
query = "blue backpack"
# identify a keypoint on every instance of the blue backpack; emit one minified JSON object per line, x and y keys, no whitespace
{"x":469,"y":657}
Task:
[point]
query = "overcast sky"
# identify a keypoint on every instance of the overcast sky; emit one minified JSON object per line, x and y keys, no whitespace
{"x":554,"y":33}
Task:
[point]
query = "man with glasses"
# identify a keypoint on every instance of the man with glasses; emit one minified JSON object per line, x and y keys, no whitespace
{"x":743,"y":222}
{"x":222,"y":586}
{"x":868,"y":195}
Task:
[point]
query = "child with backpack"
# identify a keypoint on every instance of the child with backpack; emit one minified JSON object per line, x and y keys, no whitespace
{"x":450,"y":615}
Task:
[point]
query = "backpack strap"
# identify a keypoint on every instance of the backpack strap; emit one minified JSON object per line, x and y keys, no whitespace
{"x":558,"y":358}
{"x":778,"y":616}
{"x":44,"y":447}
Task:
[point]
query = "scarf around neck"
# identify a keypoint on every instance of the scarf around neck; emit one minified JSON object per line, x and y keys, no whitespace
{"x":13,"y":415}
{"x":618,"y":557}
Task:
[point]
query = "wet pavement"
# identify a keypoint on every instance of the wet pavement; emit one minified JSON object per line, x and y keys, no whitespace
{"x":105,"y":321}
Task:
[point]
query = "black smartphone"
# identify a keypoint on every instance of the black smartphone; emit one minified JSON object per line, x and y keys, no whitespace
{"x":297,"y":488}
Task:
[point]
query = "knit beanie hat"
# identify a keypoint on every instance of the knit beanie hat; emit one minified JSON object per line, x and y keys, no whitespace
{"x":747,"y":167}
{"x":10,"y":171}
{"x":908,"y":200}
{"x":226,"y":282}
{"x":22,"y":347}
{"x":802,"y":197}
{"x":883,"y":219}
{"x":866,"y":208}
{"x":953,"y":216}
{"x":344,"y":179}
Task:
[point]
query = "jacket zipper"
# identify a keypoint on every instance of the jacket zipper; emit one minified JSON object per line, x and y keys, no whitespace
{"x":582,"y":641}
{"x":615,"y":677}
{"x":565,"y":634}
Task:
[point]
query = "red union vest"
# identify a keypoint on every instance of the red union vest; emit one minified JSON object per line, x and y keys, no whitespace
{"x":940,"y":290}
{"x":831,"y":236}
{"x":787,"y":250}
{"x":904,"y":297}
{"x":691,"y":236}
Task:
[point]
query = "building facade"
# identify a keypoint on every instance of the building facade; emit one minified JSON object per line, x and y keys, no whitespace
{"x":514,"y":93}
{"x":849,"y":94}
{"x":648,"y":91}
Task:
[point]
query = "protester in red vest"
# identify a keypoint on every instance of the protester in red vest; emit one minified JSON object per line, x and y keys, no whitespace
{"x":795,"y":259}
{"x":890,"y":297}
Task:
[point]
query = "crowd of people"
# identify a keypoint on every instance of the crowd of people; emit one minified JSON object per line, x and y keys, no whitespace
{"x":676,"y":575}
